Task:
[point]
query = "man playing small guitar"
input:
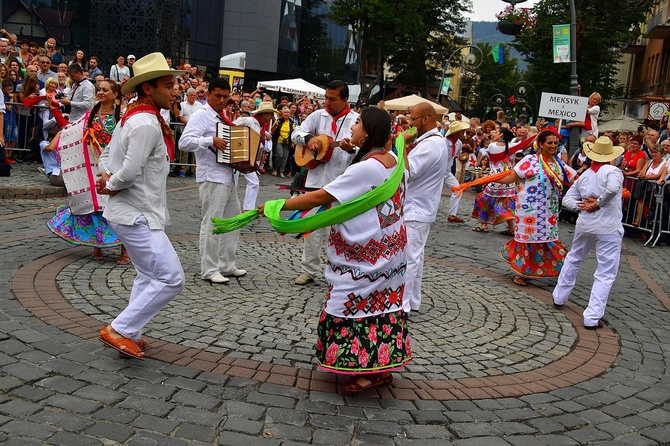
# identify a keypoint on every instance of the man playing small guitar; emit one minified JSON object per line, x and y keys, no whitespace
{"x":334,"y":121}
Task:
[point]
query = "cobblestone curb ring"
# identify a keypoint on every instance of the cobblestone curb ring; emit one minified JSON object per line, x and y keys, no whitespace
{"x":477,"y":335}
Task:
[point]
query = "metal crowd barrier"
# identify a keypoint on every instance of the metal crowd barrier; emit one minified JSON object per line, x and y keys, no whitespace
{"x":649,"y":213}
{"x":182,"y":159}
{"x":25,"y":124}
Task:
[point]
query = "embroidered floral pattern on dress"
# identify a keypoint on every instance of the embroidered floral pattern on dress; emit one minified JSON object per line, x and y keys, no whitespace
{"x":387,"y":247}
{"x":391,"y":210}
{"x":358,"y":274}
{"x":379,"y":300}
{"x":363,"y":345}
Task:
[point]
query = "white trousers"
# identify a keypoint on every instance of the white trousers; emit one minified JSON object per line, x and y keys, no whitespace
{"x":417,"y":235}
{"x":160,"y":276}
{"x":608,"y":253}
{"x":217,"y":251}
{"x":449,"y":181}
{"x":311,"y":253}
{"x":251,"y":192}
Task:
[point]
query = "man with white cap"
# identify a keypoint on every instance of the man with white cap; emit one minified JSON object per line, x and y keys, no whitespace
{"x":133,"y":168}
{"x":596,"y":195}
{"x":217,"y":185}
{"x":454,"y":148}
{"x":131,"y":60}
{"x":259,"y":119}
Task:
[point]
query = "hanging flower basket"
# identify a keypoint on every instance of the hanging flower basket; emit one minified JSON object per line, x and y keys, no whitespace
{"x":509,"y":28}
{"x":513,"y":21}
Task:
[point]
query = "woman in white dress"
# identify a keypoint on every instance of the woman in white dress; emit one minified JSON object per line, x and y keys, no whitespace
{"x":362,"y":330}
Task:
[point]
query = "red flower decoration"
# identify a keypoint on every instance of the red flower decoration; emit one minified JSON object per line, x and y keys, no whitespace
{"x":343,"y":332}
{"x":393,"y":297}
{"x":355,"y":346}
{"x":331,"y":354}
{"x":372,"y":334}
{"x":384,"y":355}
{"x":363,"y":358}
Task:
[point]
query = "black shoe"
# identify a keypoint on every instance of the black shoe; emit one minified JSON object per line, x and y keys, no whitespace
{"x":594,"y":327}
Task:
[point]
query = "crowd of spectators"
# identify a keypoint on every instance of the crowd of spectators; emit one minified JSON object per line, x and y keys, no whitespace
{"x":28,"y":69}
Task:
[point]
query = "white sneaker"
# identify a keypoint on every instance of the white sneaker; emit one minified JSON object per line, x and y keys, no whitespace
{"x":303,"y":279}
{"x":218,"y":278}
{"x":237,"y":272}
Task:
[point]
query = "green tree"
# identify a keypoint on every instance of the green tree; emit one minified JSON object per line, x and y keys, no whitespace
{"x":494,"y":79}
{"x":412,"y":37}
{"x":602,"y":32}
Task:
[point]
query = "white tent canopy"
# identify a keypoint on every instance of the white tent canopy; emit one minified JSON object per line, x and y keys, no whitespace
{"x":293,"y":86}
{"x":407,"y":102}
{"x":619,"y":124}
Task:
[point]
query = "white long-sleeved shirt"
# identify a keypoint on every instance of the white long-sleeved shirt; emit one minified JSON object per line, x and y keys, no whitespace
{"x":606,"y":185}
{"x":137,"y":159}
{"x":427,"y":166}
{"x":317,"y":123}
{"x":198,"y":137}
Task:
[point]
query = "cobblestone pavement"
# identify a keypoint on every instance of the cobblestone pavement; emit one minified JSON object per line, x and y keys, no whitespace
{"x":494,"y":363}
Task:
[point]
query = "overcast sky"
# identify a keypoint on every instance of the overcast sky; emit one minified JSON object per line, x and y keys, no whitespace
{"x":485,"y":10}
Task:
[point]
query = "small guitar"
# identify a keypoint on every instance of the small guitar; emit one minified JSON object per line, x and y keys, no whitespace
{"x":305,"y":157}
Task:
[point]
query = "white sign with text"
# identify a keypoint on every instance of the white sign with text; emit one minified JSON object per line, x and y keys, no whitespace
{"x":562,"y":106}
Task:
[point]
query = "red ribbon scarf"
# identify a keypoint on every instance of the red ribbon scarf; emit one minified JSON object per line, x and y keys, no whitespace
{"x":344,"y":112}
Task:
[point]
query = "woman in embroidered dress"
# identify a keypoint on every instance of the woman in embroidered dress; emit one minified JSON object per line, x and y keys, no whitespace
{"x":497,"y":202}
{"x":536,"y":251}
{"x":92,"y":229}
{"x":362,"y":330}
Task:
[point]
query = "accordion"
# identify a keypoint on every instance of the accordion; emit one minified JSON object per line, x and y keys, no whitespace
{"x":243,"y":151}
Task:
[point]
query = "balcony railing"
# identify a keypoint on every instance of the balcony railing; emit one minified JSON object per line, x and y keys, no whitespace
{"x":658,"y":28}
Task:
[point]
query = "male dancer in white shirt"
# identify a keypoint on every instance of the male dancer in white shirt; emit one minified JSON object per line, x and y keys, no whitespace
{"x":335,"y":121}
{"x":596,"y":195}
{"x":133,"y":167}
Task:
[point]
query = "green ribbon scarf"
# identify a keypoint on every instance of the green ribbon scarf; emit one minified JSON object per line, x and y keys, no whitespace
{"x":335,"y":215}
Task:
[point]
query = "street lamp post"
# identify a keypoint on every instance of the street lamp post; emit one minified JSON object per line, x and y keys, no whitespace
{"x":472,"y":62}
{"x":574,"y":84}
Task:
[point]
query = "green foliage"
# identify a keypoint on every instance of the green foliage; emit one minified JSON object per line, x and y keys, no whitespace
{"x":603,"y":30}
{"x":495,"y":79}
{"x":413,"y":37}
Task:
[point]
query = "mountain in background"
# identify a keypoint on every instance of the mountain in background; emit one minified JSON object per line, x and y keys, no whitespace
{"x":486,"y":32}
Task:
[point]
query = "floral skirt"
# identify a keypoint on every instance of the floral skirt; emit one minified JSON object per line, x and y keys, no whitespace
{"x":493,"y":210}
{"x":86,"y":230}
{"x":363,"y":345}
{"x":535,"y":260}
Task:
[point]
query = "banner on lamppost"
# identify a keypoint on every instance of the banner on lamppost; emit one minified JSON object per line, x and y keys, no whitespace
{"x":562,"y":43}
{"x":446,"y":83}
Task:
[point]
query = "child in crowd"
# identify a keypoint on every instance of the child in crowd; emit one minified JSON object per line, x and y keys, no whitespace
{"x":11,"y":120}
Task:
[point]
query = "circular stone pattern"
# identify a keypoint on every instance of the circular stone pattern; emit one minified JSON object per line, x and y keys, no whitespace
{"x":468,"y":327}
